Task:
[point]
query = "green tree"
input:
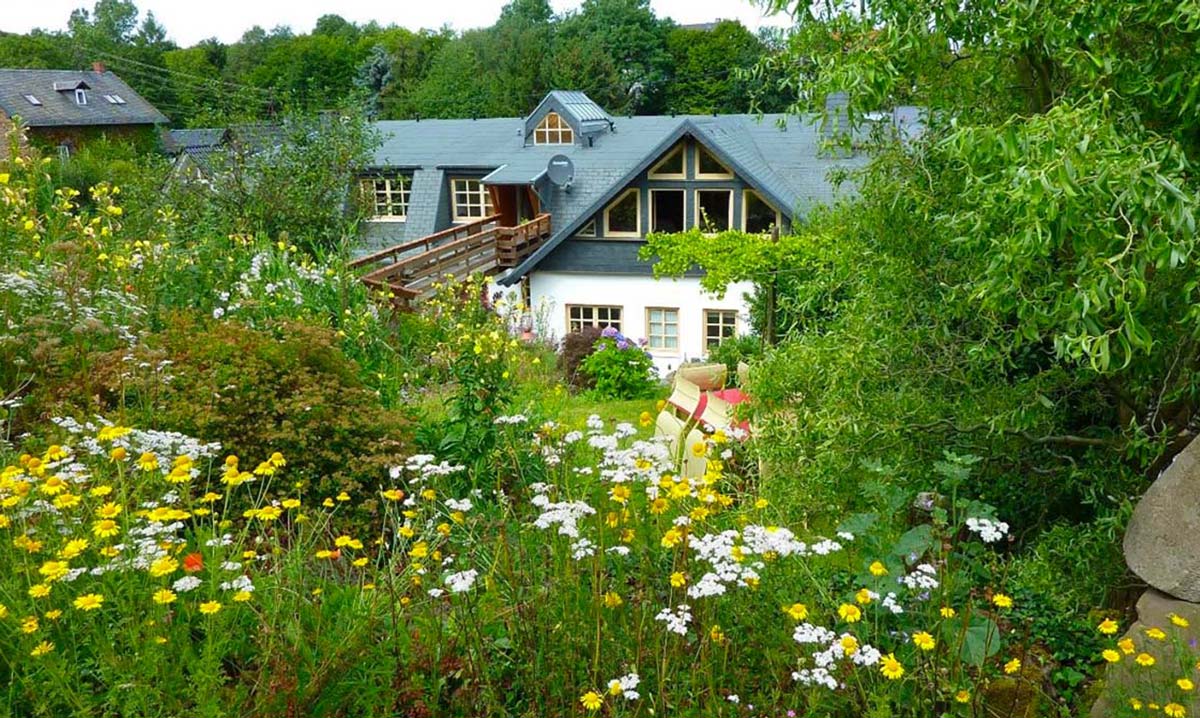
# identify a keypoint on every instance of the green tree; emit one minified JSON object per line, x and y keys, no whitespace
{"x":39,"y":49}
{"x":1019,"y":281}
{"x":632,"y":40}
{"x":516,"y":54}
{"x":457,"y":84}
{"x":706,"y":64}
{"x":412,"y":54}
{"x":312,"y":71}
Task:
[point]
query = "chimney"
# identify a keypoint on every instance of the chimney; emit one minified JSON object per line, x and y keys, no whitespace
{"x":837,"y":118}
{"x":98,"y":67}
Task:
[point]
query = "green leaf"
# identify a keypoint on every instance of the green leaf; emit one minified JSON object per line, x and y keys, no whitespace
{"x":914,"y":542}
{"x":858,"y":524}
{"x":980,"y":639}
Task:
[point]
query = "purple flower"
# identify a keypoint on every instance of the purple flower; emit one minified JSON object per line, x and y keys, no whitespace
{"x":622,"y":344}
{"x":609,"y":332}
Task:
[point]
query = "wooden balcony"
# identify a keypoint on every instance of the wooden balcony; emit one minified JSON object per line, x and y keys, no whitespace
{"x":409,"y":270}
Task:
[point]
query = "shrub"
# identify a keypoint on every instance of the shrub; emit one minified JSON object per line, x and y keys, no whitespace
{"x":293,"y":390}
{"x":619,"y":369}
{"x":576,"y":347}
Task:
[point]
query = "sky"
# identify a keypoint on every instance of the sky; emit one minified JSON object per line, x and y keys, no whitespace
{"x":188,"y":21}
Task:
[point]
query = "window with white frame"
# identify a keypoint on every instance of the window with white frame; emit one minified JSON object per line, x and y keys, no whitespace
{"x":758,"y":217}
{"x":587,"y":230}
{"x":623,"y":218}
{"x":708,"y":166}
{"x":553,"y":130}
{"x":580,"y":316}
{"x":714,"y":209}
{"x":80,"y":97}
{"x":471,"y":199}
{"x":662,"y":328}
{"x":388,"y":196}
{"x":719,"y":325}
{"x":671,"y":166}
{"x":666,"y":210}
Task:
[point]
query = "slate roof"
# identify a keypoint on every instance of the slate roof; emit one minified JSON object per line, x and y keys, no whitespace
{"x":182,"y":140}
{"x":58,"y":107}
{"x":780,"y":156}
{"x":199,"y":146}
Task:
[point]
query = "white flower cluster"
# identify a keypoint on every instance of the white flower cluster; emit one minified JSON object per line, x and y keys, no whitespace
{"x":625,"y":430}
{"x":989,"y":531}
{"x":720,"y":552}
{"x":889,"y":602}
{"x":289,"y":278}
{"x":511,"y":420}
{"x":815,"y":677}
{"x":833,"y":648}
{"x":165,"y":445}
{"x":241,"y":583}
{"x":463,"y":505}
{"x":603,"y":442}
{"x":772,"y":539}
{"x":564,"y":514}
{"x":422,"y":467}
{"x":808,"y":633}
{"x":625,"y":686}
{"x":462,"y":581}
{"x":185,"y":584}
{"x":23,"y":287}
{"x":677,"y":620}
{"x":582,"y":548}
{"x":923,"y":578}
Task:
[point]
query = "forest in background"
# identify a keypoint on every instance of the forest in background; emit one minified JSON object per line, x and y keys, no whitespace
{"x":617,"y":51}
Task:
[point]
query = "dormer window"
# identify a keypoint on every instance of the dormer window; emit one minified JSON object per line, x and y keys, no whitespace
{"x":80,"y":97}
{"x":389,"y":196}
{"x":553,"y":130}
{"x":33,"y":100}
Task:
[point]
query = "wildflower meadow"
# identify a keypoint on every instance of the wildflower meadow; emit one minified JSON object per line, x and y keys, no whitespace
{"x":234,"y":481}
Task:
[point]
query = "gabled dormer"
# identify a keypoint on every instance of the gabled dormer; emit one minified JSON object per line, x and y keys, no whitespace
{"x":78,"y":87}
{"x":566,"y":118}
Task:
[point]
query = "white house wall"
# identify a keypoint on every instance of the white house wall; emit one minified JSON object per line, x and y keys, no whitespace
{"x":551,"y":292}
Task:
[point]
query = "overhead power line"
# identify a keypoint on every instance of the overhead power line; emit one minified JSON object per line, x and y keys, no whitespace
{"x":205,"y":81}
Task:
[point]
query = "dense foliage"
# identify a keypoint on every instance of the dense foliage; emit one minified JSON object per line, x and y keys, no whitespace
{"x":619,"y":368}
{"x":617,"y":51}
{"x":1017,"y":282}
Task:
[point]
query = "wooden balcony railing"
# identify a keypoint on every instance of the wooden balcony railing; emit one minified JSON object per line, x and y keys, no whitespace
{"x":410,"y":269}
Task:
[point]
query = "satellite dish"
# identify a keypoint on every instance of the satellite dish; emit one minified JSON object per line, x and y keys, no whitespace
{"x":561,"y":170}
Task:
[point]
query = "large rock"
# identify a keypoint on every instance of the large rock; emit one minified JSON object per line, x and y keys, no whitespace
{"x":1125,"y":679}
{"x":1161,"y":541}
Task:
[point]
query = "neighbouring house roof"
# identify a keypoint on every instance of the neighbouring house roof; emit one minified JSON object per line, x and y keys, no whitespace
{"x":197,"y":146}
{"x":54,"y":91}
{"x":202,"y":146}
{"x":178,"y":140}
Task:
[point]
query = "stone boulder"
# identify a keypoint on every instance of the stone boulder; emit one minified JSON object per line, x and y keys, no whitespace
{"x":1175,"y":657}
{"x":1162,"y":543}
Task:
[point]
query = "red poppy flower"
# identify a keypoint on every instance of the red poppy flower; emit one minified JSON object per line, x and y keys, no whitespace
{"x":193,"y":562}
